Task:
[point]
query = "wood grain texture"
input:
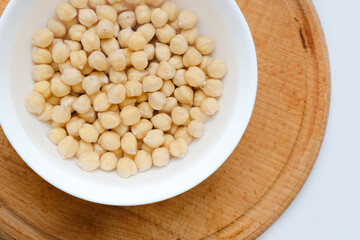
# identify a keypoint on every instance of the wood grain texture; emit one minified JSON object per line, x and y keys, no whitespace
{"x":248,"y":193}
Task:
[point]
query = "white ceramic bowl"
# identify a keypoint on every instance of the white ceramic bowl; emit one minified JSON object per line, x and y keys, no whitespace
{"x":221,"y":19}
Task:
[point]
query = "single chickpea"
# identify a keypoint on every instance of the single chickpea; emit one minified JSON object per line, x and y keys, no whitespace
{"x":149,"y":49}
{"x":109,"y":119}
{"x":157,"y":100}
{"x":143,"y":160}
{"x":136,"y":41}
{"x":89,"y":133}
{"x":167,"y":88}
{"x":162,"y":121}
{"x":141,"y":128}
{"x":161,"y":157}
{"x":106,"y":12}
{"x":180,"y":115}
{"x":58,"y":87}
{"x":168,"y":139}
{"x":57,"y":27}
{"x":197,"y":114}
{"x":139,"y":60}
{"x":195,"y":77}
{"x":159,"y":17}
{"x":41,"y":56}
{"x":155,"y":3}
{"x":127,"y":53}
{"x":205,"y":44}
{"x":56,"y":124}
{"x":199,"y":96}
{"x":170,"y":104}
{"x":65,"y":11}
{"x":196,"y":128}
{"x":165,"y":33}
{"x":205,"y":63}
{"x":190,"y":34}
{"x":101,"y":102}
{"x":109,"y":45}
{"x":129,"y":143}
{"x":162,"y":52}
{"x":55,"y":41}
{"x":68,"y":147}
{"x":182,"y":132}
{"x":209,"y":106}
{"x":192,"y":57}
{"x":71,"y":76}
{"x":146,"y":110}
{"x":166,"y":70}
{"x":102,"y":76}
{"x":56,"y":135}
{"x":34,"y":102}
{"x":217,"y":68}
{"x":177,"y":62}
{"x":117,"y":76}
{"x":73,"y":45}
{"x":178,"y":147}
{"x":179,"y":79}
{"x":126,"y":167}
{"x":90,"y":41}
{"x":123,"y":36}
{"x":147,"y":30}
{"x":119,"y":6}
{"x":46,"y":114}
{"x":108,"y":161}
{"x":152,"y":83}
{"x":213,"y":88}
{"x":82,"y":104}
{"x":121,"y":129}
{"x":130,"y":115}
{"x":60,"y":52}
{"x":94,"y":3}
{"x":98,"y":61}
{"x":105,"y":29}
{"x":84,"y":147}
{"x":87,"y":17}
{"x":89,"y":117}
{"x":187,"y":19}
{"x":73,"y":126}
{"x":67,"y":101}
{"x":118,"y":60}
{"x":78,"y":59}
{"x":117,"y":94}
{"x":179,"y":44}
{"x":152,"y":68}
{"x":54,"y":100}
{"x":61,"y":114}
{"x":43,"y":87}
{"x":184,"y":94}
{"x":154,"y":138}
{"x":128,"y":102}
{"x":143,"y":14}
{"x":109,"y":141}
{"x":99,"y":149}
{"x":127,"y":19}
{"x":79,"y":3}
{"x":42,"y":72}
{"x":88,"y":161}
{"x":171,"y":9}
{"x":133,"y":88}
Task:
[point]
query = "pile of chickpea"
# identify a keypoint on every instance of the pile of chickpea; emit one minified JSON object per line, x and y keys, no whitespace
{"x":126,"y":84}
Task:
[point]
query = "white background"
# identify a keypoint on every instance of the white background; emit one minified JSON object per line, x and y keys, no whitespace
{"x":328,"y":206}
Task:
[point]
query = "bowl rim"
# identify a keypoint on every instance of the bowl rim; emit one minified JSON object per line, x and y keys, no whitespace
{"x":7,"y":125}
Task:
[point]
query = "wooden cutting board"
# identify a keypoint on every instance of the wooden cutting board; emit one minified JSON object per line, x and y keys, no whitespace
{"x":248,"y":193}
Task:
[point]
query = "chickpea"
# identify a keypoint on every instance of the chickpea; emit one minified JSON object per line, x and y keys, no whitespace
{"x":178,"y":147}
{"x":94,"y":3}
{"x":197,"y":114}
{"x":108,"y":161}
{"x":121,"y":129}
{"x":179,"y":79}
{"x":139,"y":60}
{"x":43,"y":87}
{"x":159,"y":17}
{"x":34,"y":102}
{"x":56,"y":135}
{"x":119,"y":6}
{"x":41,"y":56}
{"x":128,"y":102}
{"x":102,"y":76}
{"x":166,"y":70}
{"x":68,"y":24}
{"x":152,"y":83}
{"x":146,"y":148}
{"x":205,"y":44}
{"x":77,"y":89}
{"x":90,"y":41}
{"x":73,"y":45}
{"x":61,"y":114}
{"x":170,"y":104}
{"x":84,"y":147}
{"x":127,"y":53}
{"x":42,"y":72}
{"x":129,"y":143}
{"x":173,"y":129}
{"x":68,"y":147}
{"x":73,"y":126}
{"x":146,"y":110}
{"x":168,"y":139}
{"x":130,"y":115}
{"x":127,"y":19}
{"x":161,"y":157}
{"x":154,"y":138}
{"x":199,"y":96}
{"x":117,"y":77}
{"x":179,"y":44}
{"x":118,"y":60}
{"x":162,"y":52}
{"x":109,"y":119}
{"x":89,"y":133}
{"x":141,"y":128}
{"x":87,"y":17}
{"x":165,"y":33}
{"x":106,"y":12}
{"x":186,"y":106}
{"x":180,"y":115}
{"x":152,"y":68}
{"x":182,"y":132}
{"x":171,"y":9}
{"x":157,"y":100}
{"x":209,"y":106}
{"x":147,"y":30}
{"x":54,"y":100}
{"x":192,"y":57}
{"x":105,"y":29}
{"x":65,"y":11}
{"x":109,"y":45}
{"x":162,"y":121}
{"x":136,"y":41}
{"x":116,"y":29}
{"x":98,"y":61}
{"x":59,"y":88}
{"x":177,"y":62}
{"x":149,"y":49}
{"x":79,"y":3}
{"x":78,"y":59}
{"x":123,"y":36}
{"x":155,"y":3}
{"x":45,"y":115}
{"x":142,"y":98}
{"x":205,"y":63}
{"x":82,"y":104}
{"x":126,"y":167}
{"x":143,"y":14}
{"x":67,"y":101}
{"x":109,"y":141}
{"x":168,"y":88}
{"x":217,"y":68}
{"x":89,"y":117}
{"x":117,"y":94}
{"x":187,"y":19}
{"x":88,"y":161}
{"x":184,"y":94}
{"x":175,"y":25}
{"x":60,"y":52}
{"x":56,"y":27}
{"x":213,"y":88}
{"x":133,"y":88}
{"x":71,"y":76}
{"x":99,"y":149}
{"x":101,"y":102}
{"x":195,"y":77}
{"x":143,"y":160}
{"x":191,"y":35}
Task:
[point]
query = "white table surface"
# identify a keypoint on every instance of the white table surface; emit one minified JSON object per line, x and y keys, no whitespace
{"x":328,"y":206}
